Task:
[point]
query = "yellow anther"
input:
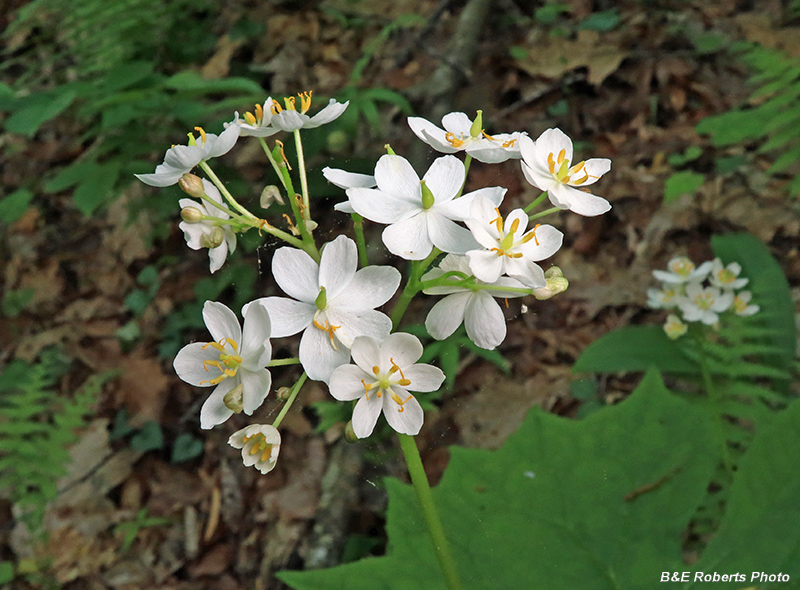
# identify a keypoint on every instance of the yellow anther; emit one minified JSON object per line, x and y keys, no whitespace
{"x":256,"y":448}
{"x":487,"y":136}
{"x":202,"y":133}
{"x":509,"y":143}
{"x":275,"y":107}
{"x":498,"y":221}
{"x":531,"y":235}
{"x":551,"y":164}
{"x":267,"y":452}
{"x":215,"y":364}
{"x":259,"y":112}
{"x":500,"y":251}
{"x":404,"y":382}
{"x":249,"y":118}
{"x":506,"y":300}
{"x":279,"y":143}
{"x":561,"y":156}
{"x":305,"y":100}
{"x":453,"y":140}
{"x":399,"y":401}
{"x":514,"y":225}
{"x":216,"y":345}
{"x":376,"y":370}
{"x":326,"y":328}
{"x":289,"y":102}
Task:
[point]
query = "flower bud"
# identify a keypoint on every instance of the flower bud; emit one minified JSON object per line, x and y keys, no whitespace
{"x":311,"y":225}
{"x":349,"y":433}
{"x":214,"y":239}
{"x":234,"y":400}
{"x":192,"y":185}
{"x":556,"y":283}
{"x":283,"y":393}
{"x":191,"y":215}
{"x":270,"y":194}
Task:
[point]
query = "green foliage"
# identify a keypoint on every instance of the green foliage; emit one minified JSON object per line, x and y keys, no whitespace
{"x":131,"y":529}
{"x":597,"y":503}
{"x":36,"y":426}
{"x":13,"y":206}
{"x":773,"y":115}
{"x":16,"y":300}
{"x":682,"y":183}
{"x":331,"y":413}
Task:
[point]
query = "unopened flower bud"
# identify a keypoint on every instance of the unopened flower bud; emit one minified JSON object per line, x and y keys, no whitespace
{"x":270,"y":194}
{"x":349,"y":433}
{"x":214,"y":239}
{"x":311,"y":225}
{"x":283,"y":393}
{"x":556,"y":283}
{"x":191,"y":215}
{"x":234,"y":400}
{"x":192,"y":185}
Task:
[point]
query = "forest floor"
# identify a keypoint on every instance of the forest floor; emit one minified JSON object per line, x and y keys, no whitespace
{"x":633,"y":93}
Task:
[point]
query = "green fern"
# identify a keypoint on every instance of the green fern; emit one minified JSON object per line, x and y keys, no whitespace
{"x":772,"y":114}
{"x":36,"y":426}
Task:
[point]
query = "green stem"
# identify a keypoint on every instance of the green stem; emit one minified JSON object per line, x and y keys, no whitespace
{"x":544,"y":213}
{"x":224,"y":209}
{"x":307,"y":240}
{"x":535,"y":202}
{"x":358,"y":228}
{"x":225,"y":192}
{"x":418,"y":268}
{"x":284,"y":362}
{"x":713,"y":398}
{"x":432,"y":521}
{"x":467,"y":162}
{"x":301,"y":162}
{"x":272,"y":161}
{"x":290,"y":401}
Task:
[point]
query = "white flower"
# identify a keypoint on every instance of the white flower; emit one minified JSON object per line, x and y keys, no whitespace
{"x":674,"y":327}
{"x":507,"y":248}
{"x":477,"y":310}
{"x":665,"y":298}
{"x":702,"y":304}
{"x":235,"y":362}
{"x":381,"y":379}
{"x":272,"y":117}
{"x":682,"y":270}
{"x":421,"y":213}
{"x":331,"y":303}
{"x":740,"y":304}
{"x":725,"y":277}
{"x":346,"y":180}
{"x":180,"y":159}
{"x":200,"y":234}
{"x":260,"y":444}
{"x":546,"y":164}
{"x":462,"y":134}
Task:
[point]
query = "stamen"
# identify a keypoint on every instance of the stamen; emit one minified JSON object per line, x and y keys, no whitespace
{"x":326,"y":328}
{"x":487,"y":136}
{"x":514,"y":225}
{"x":215,"y":364}
{"x":216,"y":345}
{"x":376,"y":369}
{"x":267,"y":452}
{"x":305,"y":100}
{"x":500,"y":251}
{"x":506,"y":300}
{"x":400,"y":401}
{"x":202,"y":134}
{"x":251,"y":120}
{"x":551,"y":163}
{"x":259,"y":113}
{"x":451,"y":139}
{"x":498,"y":221}
{"x":279,"y":143}
{"x":509,"y":143}
{"x":275,"y":107}
{"x":289,"y":102}
{"x":531,"y":235}
{"x":561,"y":155}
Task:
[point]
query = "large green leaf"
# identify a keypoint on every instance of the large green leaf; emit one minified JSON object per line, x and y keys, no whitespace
{"x":593,"y":504}
{"x":761,"y":528}
{"x":770,"y":291}
{"x":635,"y":348}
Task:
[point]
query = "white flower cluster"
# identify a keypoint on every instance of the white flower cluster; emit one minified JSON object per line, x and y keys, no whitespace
{"x":334,"y":304}
{"x":699,"y":293}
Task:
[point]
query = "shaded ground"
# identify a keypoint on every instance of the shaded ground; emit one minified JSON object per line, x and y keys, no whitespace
{"x":633,"y":94}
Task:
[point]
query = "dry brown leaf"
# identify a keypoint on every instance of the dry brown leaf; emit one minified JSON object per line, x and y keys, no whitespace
{"x":142,"y":388}
{"x":220,"y":63}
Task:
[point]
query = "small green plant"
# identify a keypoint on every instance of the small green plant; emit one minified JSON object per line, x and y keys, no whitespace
{"x":36,"y":426}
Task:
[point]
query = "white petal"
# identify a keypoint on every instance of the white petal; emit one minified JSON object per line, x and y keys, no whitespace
{"x":217,"y":257}
{"x":424,"y":377}
{"x":183,"y":157}
{"x":485,"y":322}
{"x":318,"y":356}
{"x":430,"y":134}
{"x":288,"y":120}
{"x":579,"y":202}
{"x":520,"y":217}
{"x":365,"y":415}
{"x":225,"y":141}
{"x":486,"y":265}
{"x":371,"y":287}
{"x":527,"y":149}
{"x":457,"y":123}
{"x":409,"y":239}
{"x":366,"y":352}
{"x":401,"y":349}
{"x":394,"y":175}
{"x":448,"y":236}
{"x":359,"y":322}
{"x":167,"y":176}
{"x":547,"y":242}
{"x":332,"y":111}
{"x":445,"y":178}
{"x":287,"y":316}
{"x":344,"y":207}
{"x":541,"y":179}
{"x":221,"y":322}
{"x":595,"y":168}
{"x":410,"y":420}
{"x":461,"y":209}
{"x":345,"y":383}
{"x":214,"y":410}
{"x":383,"y":207}
{"x":256,"y":387}
{"x":296,"y":273}
{"x":446,"y":316}
{"x":188,"y":364}
{"x":489,"y":154}
{"x":337,"y":265}
{"x":255,"y":349}
{"x":347,"y":180}
{"x":526,"y":271}
{"x":553,"y":141}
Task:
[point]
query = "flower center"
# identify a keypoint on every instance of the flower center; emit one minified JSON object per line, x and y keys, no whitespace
{"x":704,"y":300}
{"x":726,"y":276}
{"x":506,"y":241}
{"x":193,"y":141}
{"x":227,"y":364}
{"x":385,"y":381}
{"x":260,"y":445}
{"x":739,"y":304}
{"x":427,"y":196}
{"x":289,"y":101}
{"x":255,"y":119}
{"x":325,"y":326}
{"x":560,"y":169}
{"x":682,"y":267}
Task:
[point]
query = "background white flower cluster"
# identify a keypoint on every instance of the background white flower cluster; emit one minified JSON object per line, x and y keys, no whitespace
{"x":700,"y":293}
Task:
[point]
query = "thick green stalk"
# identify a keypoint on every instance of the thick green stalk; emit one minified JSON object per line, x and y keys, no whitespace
{"x":301,"y":163}
{"x":358,"y":228}
{"x":284,"y":362}
{"x":544,"y":213}
{"x":432,"y":521}
{"x":290,"y":401}
{"x":225,"y":192}
{"x":272,"y":161}
{"x":535,"y":202}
